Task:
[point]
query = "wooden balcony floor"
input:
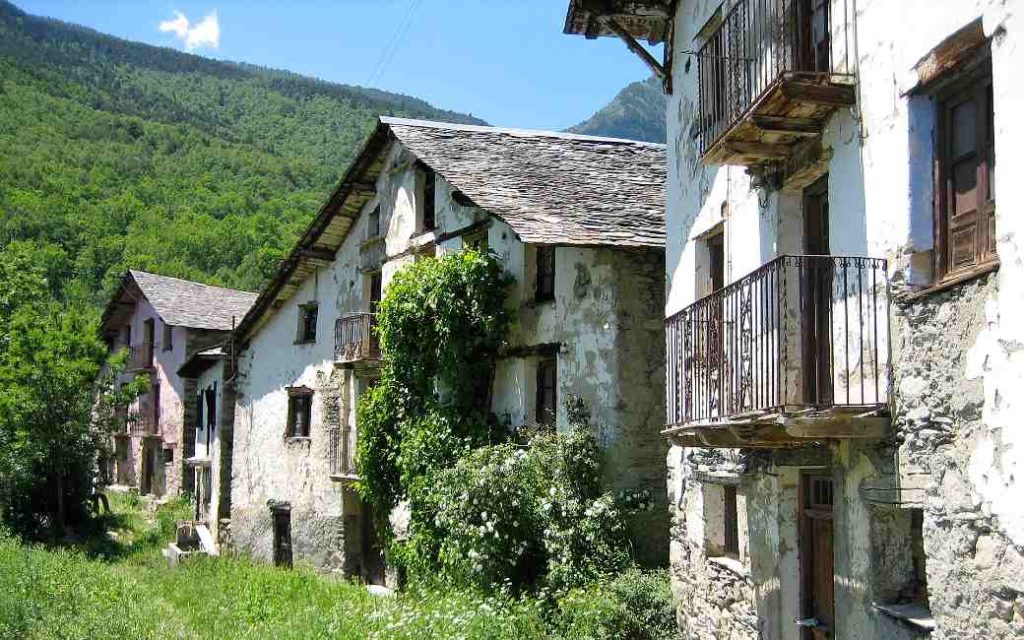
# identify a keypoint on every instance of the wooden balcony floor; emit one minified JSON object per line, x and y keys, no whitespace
{"x":793,"y":108}
{"x":784,"y":429}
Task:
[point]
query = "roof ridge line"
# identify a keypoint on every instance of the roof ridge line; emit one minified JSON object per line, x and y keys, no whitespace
{"x":512,"y":131}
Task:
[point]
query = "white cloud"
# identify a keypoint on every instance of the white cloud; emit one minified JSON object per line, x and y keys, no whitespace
{"x":205,"y":33}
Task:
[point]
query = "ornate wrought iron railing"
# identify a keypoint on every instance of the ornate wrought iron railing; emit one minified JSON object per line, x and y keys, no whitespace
{"x":757,"y":43}
{"x":800,"y":332}
{"x":354,"y":338}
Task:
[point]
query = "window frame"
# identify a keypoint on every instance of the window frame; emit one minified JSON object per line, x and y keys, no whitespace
{"x":545,"y":414}
{"x":300,"y":399}
{"x":302,"y":335}
{"x":973,"y":83}
{"x":544,"y":279}
{"x":428,"y":196}
{"x":168,"y":337}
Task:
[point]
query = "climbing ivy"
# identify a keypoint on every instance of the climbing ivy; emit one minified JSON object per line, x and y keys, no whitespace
{"x":440,"y":326}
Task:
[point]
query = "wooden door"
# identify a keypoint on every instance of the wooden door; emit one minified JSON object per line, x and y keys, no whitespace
{"x":282,"y":520}
{"x":813,"y":40}
{"x":817,"y":564}
{"x":816,"y":297}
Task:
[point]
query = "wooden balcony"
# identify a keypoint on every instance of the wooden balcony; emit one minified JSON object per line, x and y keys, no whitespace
{"x":795,"y":352}
{"x":354,"y":339}
{"x":769,"y":77}
{"x":141,"y":422}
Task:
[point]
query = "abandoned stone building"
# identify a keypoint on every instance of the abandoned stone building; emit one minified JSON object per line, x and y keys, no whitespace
{"x":162,"y":321}
{"x":577,"y":221}
{"x":845,"y":325}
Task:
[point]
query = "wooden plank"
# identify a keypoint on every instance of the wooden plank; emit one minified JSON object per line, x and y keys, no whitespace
{"x":759,"y":150}
{"x":842,"y":427}
{"x":826,"y":94}
{"x":787,"y":126}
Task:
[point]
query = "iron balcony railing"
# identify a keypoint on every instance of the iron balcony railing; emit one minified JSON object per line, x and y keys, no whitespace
{"x":140,"y":357}
{"x":801,"y":332}
{"x":758,"y":43}
{"x":140,"y":422}
{"x":354,"y":338}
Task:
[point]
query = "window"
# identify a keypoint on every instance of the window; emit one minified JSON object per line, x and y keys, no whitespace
{"x":148,"y":334}
{"x":307,"y":322}
{"x":168,"y":337}
{"x":168,"y":455}
{"x":211,"y":414}
{"x":547,"y":391}
{"x":545,"y":286}
{"x":376,"y":290}
{"x":300,"y":405}
{"x":281,"y":517}
{"x":721,"y":520}
{"x":373,"y":224}
{"x":965,"y":198}
{"x":429,"y":184}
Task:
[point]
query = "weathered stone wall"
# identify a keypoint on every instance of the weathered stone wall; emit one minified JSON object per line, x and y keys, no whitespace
{"x":975,"y":571}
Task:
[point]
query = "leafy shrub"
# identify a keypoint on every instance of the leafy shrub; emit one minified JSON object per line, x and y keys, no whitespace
{"x":518,"y":516}
{"x":636,"y":605}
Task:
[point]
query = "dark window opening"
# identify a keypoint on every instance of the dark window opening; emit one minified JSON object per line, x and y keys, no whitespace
{"x":300,"y":404}
{"x":731,"y":530}
{"x":545,"y":288}
{"x":154,"y":391}
{"x":168,"y":337}
{"x":429,"y":187}
{"x":373,"y":224}
{"x":211,"y":414}
{"x":716,"y":256}
{"x":965,"y":155}
{"x":547,"y":391}
{"x":376,"y":290}
{"x":168,"y":456}
{"x":148,"y":334}
{"x":282,"y":522}
{"x":307,"y":322}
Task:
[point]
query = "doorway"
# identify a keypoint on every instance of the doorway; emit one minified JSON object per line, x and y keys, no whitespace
{"x":373,"y":556}
{"x":817,"y":564}
{"x":148,"y":467}
{"x":281,"y":517}
{"x":816,"y":296}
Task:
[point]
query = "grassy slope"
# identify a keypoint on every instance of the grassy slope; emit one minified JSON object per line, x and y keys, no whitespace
{"x":124,"y":589}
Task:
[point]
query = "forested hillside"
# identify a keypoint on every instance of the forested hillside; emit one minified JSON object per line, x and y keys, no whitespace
{"x":116,"y":154}
{"x":636,"y":113}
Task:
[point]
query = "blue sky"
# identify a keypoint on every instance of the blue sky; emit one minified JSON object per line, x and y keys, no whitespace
{"x":505,"y":61}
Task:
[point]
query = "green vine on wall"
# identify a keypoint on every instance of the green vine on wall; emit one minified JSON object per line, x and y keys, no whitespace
{"x":440,"y":326}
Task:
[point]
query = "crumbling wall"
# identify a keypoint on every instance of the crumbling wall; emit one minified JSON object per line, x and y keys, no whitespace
{"x":975,"y":570}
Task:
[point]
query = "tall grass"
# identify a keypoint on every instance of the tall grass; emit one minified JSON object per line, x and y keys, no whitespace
{"x":124,"y":589}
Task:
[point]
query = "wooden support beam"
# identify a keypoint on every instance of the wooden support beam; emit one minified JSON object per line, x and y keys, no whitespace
{"x":788,"y":126}
{"x":322,"y":254}
{"x":759,"y":150}
{"x":836,"y":95}
{"x":634,"y":46}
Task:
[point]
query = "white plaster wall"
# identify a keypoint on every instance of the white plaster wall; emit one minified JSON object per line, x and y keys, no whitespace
{"x":880,"y":196}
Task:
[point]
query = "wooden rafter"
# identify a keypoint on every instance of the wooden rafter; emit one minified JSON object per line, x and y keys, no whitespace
{"x":634,"y":46}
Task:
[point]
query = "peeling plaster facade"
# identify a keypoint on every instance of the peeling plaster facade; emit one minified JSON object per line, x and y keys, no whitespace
{"x":954,"y":451}
{"x":605,"y":320}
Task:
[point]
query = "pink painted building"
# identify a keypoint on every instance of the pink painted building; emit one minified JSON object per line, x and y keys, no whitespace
{"x":163,"y":321}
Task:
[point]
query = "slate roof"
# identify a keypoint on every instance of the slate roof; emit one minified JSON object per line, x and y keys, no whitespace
{"x":190,"y":304}
{"x":551,"y":188}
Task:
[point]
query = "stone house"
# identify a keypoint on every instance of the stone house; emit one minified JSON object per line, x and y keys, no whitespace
{"x":161,"y":321}
{"x":577,"y":221}
{"x":845,"y":325}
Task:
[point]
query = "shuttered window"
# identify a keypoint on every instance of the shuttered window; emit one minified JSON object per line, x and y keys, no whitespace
{"x":966,"y":206}
{"x":547,"y":391}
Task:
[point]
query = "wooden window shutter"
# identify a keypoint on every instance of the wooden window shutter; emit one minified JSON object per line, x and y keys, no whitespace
{"x":965,"y":222}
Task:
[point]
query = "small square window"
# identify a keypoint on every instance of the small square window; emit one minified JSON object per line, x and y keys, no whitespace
{"x":307,"y":322}
{"x":300,"y":405}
